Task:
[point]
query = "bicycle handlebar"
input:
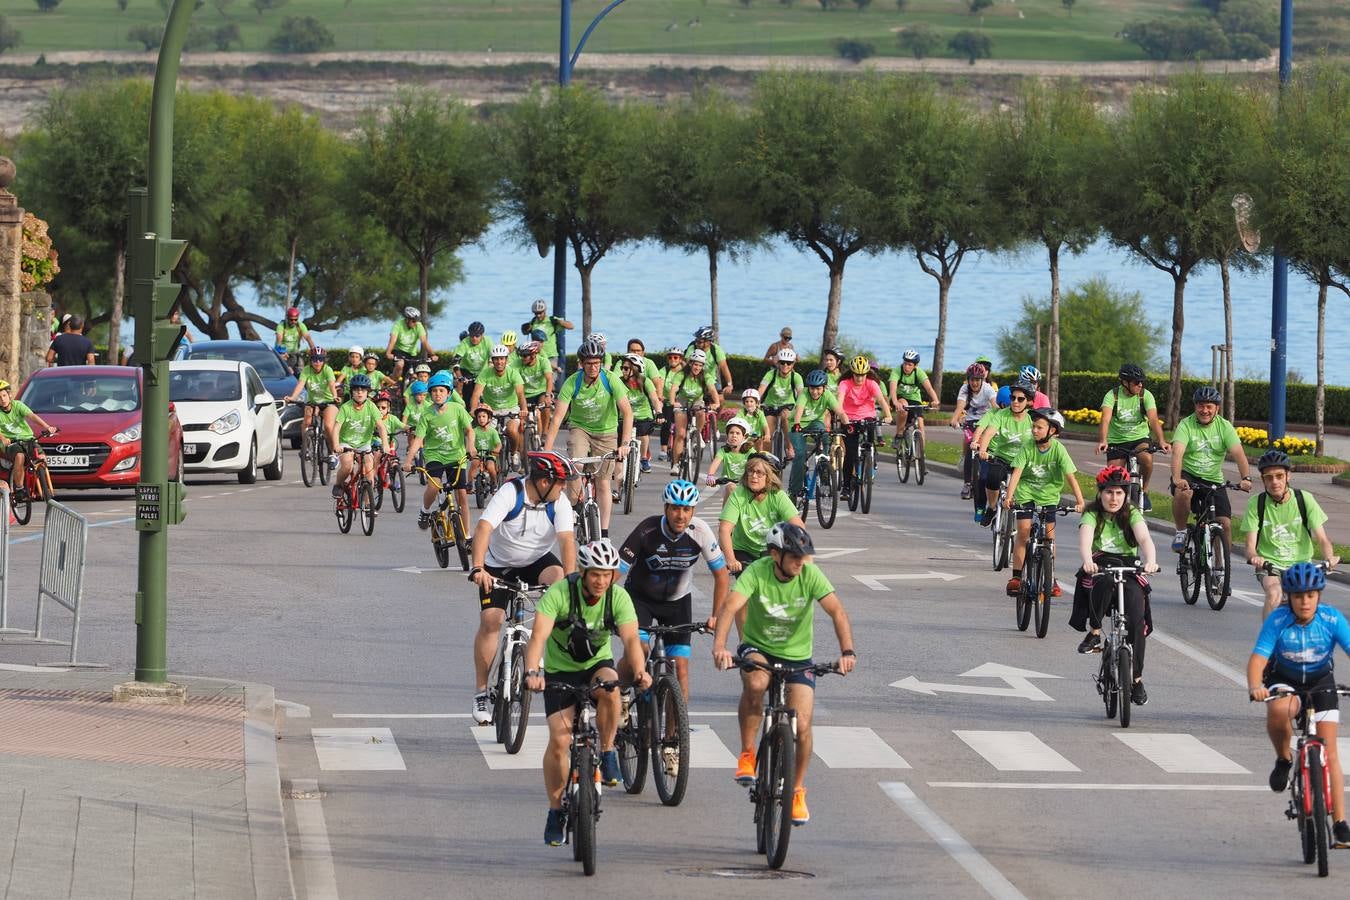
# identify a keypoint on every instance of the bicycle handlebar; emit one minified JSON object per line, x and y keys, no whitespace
{"x":594,"y":460}
{"x":748,"y":664}
{"x":692,"y":628}
{"x":1275,"y":694}
{"x":1271,"y":569}
{"x":585,"y":690}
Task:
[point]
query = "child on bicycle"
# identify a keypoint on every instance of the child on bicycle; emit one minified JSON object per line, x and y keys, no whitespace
{"x":370,"y":365}
{"x":392,"y":425}
{"x":817,"y":410}
{"x":731,"y":456}
{"x":1038,"y":476}
{"x":486,"y":441}
{"x":754,"y":417}
{"x":1296,"y":650}
{"x":351,"y":369}
{"x":16,"y":435}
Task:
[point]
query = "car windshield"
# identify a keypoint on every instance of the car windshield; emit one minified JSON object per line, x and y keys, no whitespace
{"x":82,"y":394}
{"x":264,"y":361}
{"x":204,"y":385}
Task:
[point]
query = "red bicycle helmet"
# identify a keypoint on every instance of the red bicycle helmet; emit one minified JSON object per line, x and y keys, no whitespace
{"x":1113,"y":476}
{"x":550,"y":464}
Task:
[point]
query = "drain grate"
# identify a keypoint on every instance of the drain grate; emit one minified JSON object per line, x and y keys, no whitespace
{"x":746,"y":873}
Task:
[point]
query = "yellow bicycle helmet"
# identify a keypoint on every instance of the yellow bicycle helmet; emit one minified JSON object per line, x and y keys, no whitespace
{"x":859,"y":365}
{"x":509,"y":338}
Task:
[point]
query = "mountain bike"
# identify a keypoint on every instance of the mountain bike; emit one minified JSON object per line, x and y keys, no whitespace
{"x":36,"y":481}
{"x":1002,"y":528}
{"x":357,"y":497}
{"x":776,"y":762}
{"x":1115,"y":679}
{"x":1038,"y":571}
{"x":865,"y":469}
{"x":581,"y":789}
{"x":691,"y":456}
{"x":1204,"y":560}
{"x":447,"y":528}
{"x":314,"y":448}
{"x":820,"y":482}
{"x":1310,"y":784}
{"x":588,"y":510}
{"x":657,"y":724}
{"x":632,"y":473}
{"x":1135,"y":493}
{"x":483,"y":485}
{"x":389,"y":477}
{"x":506,"y":460}
{"x":909,"y":452}
{"x":506,"y":677}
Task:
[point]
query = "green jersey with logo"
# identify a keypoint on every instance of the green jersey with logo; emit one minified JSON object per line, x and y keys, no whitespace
{"x":442,"y":432}
{"x":1043,"y":473}
{"x":1010,"y":434}
{"x":908,"y":387}
{"x":778,"y":614}
{"x":357,"y":427}
{"x":689,"y":388}
{"x":594,"y":408}
{"x":413,"y":413}
{"x":392,"y":424}
{"x":408,"y":338}
{"x":733,"y":461}
{"x":472,"y":357}
{"x":499,"y":391}
{"x":1206,"y":446}
{"x":290,"y":336}
{"x":776,"y":390}
{"x":550,"y":326}
{"x":1283,"y":539}
{"x":1129,"y":415}
{"x":556,"y":603}
{"x":377,"y":379}
{"x":752,"y":520}
{"x":316,"y":384}
{"x":486,"y":440}
{"x":350,"y":372}
{"x":535,"y":377}
{"x":14,"y":424}
{"x":759,"y":424}
{"x":639,"y":396}
{"x":1110,"y":538}
{"x":814,"y":408}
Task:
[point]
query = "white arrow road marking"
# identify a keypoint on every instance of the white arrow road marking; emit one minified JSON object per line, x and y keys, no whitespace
{"x":835,"y":552}
{"x":875,"y":581}
{"x":1019,"y":683}
{"x":294,"y":710}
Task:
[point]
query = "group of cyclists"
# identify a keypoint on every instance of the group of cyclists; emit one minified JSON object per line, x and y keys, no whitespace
{"x":1011,"y":449}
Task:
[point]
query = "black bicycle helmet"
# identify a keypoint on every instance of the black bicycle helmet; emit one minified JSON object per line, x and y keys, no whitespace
{"x":476,"y":329}
{"x":1206,"y":394}
{"x":790,"y":538}
{"x":590,"y":350}
{"x":774,"y":462}
{"x":1274,"y":459}
{"x":1131,"y":372}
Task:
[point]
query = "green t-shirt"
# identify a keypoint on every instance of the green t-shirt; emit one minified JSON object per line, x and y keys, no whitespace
{"x":499,"y":391}
{"x":486,"y":440}
{"x":649,"y":369}
{"x":290,"y":336}
{"x":1010,"y":434}
{"x":733,"y":462}
{"x":715,"y":355}
{"x":550,"y":326}
{"x":751,"y":521}
{"x":908,"y":387}
{"x":316,"y":384}
{"x":406,"y":339}
{"x":357,"y":427}
{"x":472,"y":357}
{"x":813,"y":410}
{"x":775,"y":390}
{"x":347,"y":372}
{"x":1111,"y":539}
{"x":535,"y":377}
{"x":413,"y":412}
{"x":556,"y":603}
{"x":377,"y":379}
{"x":1043,"y":473}
{"x":778,"y":615}
{"x":1129,"y":416}
{"x":638,"y":397}
{"x":832,"y":380}
{"x":1205,"y":447}
{"x":689,"y":389}
{"x":1283,"y":539}
{"x":14,"y":424}
{"x":407,"y":394}
{"x":594,"y":408}
{"x":392,"y":424}
{"x":442,"y":433}
{"x":759,"y":425}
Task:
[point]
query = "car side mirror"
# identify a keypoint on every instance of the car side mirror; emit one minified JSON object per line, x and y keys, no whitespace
{"x":261,"y":400}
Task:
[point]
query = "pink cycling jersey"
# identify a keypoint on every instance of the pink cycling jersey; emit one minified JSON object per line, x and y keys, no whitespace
{"x":859,"y":401}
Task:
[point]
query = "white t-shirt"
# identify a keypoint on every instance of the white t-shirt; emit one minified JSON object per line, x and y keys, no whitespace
{"x":977,"y":404}
{"x":529,"y":535}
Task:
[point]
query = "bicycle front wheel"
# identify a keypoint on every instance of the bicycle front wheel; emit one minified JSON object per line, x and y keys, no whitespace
{"x":869,"y":465}
{"x":1107,"y":683}
{"x":1026,"y":593}
{"x":827,"y":494}
{"x":461,"y":539}
{"x":397,"y":492}
{"x":517,"y":705}
{"x":365,"y":501}
{"x":345,"y":511}
{"x":308,"y":461}
{"x":1124,"y":681}
{"x":1217,"y":575}
{"x":670,"y":741}
{"x":920,"y":459}
{"x":1189,"y":569}
{"x":586,"y":812}
{"x":438,"y":540}
{"x":904,"y":463}
{"x":631,"y":743}
{"x":22,"y":506}
{"x":776,"y":802}
{"x":1000,"y":551}
{"x":1043,"y":595}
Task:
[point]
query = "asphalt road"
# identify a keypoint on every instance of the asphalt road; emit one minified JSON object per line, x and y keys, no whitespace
{"x":1014,"y":784}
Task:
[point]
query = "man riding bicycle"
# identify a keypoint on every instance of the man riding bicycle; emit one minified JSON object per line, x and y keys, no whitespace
{"x":536,"y":374}
{"x":1129,"y":415}
{"x":908,"y":384}
{"x":503,"y":389}
{"x":1295,"y":650}
{"x":354,"y":428}
{"x":1199,"y":444}
{"x":290,"y":332}
{"x":445,"y":435}
{"x":471,"y":355}
{"x":16,"y":435}
{"x":570,"y":645}
{"x":778,"y":596}
{"x":408,"y":340}
{"x":716,"y":356}
{"x":550,"y":326}
{"x":1282,"y":523}
{"x":525,"y":533}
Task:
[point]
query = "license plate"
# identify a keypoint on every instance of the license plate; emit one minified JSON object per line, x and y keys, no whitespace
{"x":67,"y":462}
{"x":189,"y":449}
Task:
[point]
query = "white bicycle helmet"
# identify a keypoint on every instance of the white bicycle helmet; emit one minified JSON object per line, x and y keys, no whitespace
{"x":697,"y":356}
{"x":787,"y":354}
{"x":357,"y":349}
{"x":599,"y":554}
{"x":739,"y":423}
{"x":538,"y":306}
{"x":750,"y":394}
{"x":500,"y":351}
{"x":597,"y":336}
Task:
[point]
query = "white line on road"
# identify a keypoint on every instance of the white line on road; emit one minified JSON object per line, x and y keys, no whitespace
{"x":357,"y":750}
{"x":960,"y":850}
{"x":1181,"y":754}
{"x":1200,"y":656}
{"x":316,"y":853}
{"x":19,"y":667}
{"x":706,"y":750}
{"x":1016,"y":751}
{"x":844,"y":747}
{"x":531,"y":755}
{"x":1070,"y":786}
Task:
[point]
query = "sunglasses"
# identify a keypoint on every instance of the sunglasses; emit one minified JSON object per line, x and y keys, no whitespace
{"x":1018,"y":399}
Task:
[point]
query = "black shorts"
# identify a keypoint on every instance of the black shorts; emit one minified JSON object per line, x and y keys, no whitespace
{"x":771,"y":411}
{"x":399,"y":354}
{"x":14,"y":447}
{"x":531,"y":401}
{"x":747,"y":558}
{"x":1222,"y":508}
{"x":643,"y":427}
{"x":996,"y":471}
{"x":440,"y":471}
{"x":807,"y":678}
{"x":666,"y":612}
{"x":1325,"y":701}
{"x":556,"y":702}
{"x":496,"y":599}
{"x":1028,"y":511}
{"x":1125,"y":451}
{"x":911,"y":415}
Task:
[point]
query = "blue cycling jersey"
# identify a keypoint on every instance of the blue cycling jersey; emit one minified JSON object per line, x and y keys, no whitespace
{"x":1303,"y":650}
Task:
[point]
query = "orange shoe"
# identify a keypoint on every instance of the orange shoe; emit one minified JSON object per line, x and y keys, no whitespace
{"x":800,"y":814}
{"x":1056,"y":591}
{"x":1014,"y":586}
{"x":745,"y":768}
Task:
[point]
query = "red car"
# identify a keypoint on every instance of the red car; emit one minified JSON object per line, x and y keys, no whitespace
{"x":98,"y":412}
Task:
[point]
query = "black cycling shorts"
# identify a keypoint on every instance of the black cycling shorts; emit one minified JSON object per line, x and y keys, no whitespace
{"x":531,"y":574}
{"x":643,"y":427}
{"x":666,"y":612}
{"x":807,"y":678}
{"x":1124,"y":451}
{"x":399,"y":354}
{"x":1028,"y":511}
{"x":1222,"y":508}
{"x":444,"y":471}
{"x":556,"y":702}
{"x":1326,"y":700}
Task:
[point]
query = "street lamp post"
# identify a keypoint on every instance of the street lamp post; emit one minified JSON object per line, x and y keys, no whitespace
{"x":1279,"y":294}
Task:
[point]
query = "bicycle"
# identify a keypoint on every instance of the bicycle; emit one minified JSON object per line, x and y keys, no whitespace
{"x":1204,"y":559}
{"x":314,"y":448}
{"x":820,"y":483}
{"x":447,"y":528}
{"x":35,"y":482}
{"x":505,"y":458}
{"x":691,"y":458}
{"x":657,"y":724}
{"x":1003,"y":529}
{"x":1136,"y":489}
{"x":970,"y":461}
{"x":1038,"y":572}
{"x":588,"y":520}
{"x":1115,"y":679}
{"x":628,"y":482}
{"x":865,"y":469}
{"x":506,"y":677}
{"x":358,"y":495}
{"x":1310,"y":784}
{"x":389,"y":477}
{"x":483,"y":485}
{"x":776,"y":761}
{"x":581,"y":789}
{"x":909,"y":449}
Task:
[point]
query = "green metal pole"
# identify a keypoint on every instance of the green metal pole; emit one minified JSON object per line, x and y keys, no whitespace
{"x":153,"y":559}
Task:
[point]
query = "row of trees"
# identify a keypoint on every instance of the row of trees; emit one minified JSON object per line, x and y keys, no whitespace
{"x":353,"y":227}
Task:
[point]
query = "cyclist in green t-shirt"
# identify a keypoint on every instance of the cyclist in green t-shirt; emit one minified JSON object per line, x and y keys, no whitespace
{"x":1199,"y":445}
{"x":16,"y":435}
{"x":550,"y":326}
{"x":354,"y":428}
{"x":1038,"y":476}
{"x":408,"y":340}
{"x":644,"y":397}
{"x":1282,"y":525}
{"x":486,"y":441}
{"x":817,"y":410}
{"x":536,"y":373}
{"x":290,"y":332}
{"x":832,"y":364}
{"x":908,"y":384}
{"x":778,"y":390}
{"x":778,"y":596}
{"x":753,"y":414}
{"x":1129,"y":415}
{"x":731,"y":456}
{"x":351,"y":369}
{"x":422,"y":373}
{"x":320,"y":386}
{"x":691,"y":390}
{"x":716,"y":357}
{"x":503,"y":389}
{"x":756,"y":505}
{"x":446,"y":432}
{"x":418,"y":405}
{"x":471,"y":356}
{"x":1000,"y":436}
{"x":370,"y":364}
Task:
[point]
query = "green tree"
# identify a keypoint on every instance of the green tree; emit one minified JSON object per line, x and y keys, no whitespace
{"x":1044,"y":164}
{"x":225,"y":36}
{"x":1102,"y":328}
{"x":302,"y":34}
{"x":978,"y":6}
{"x":9,"y":35}
{"x":971,"y":45}
{"x":427,"y":172}
{"x":148,"y":36}
{"x":1253,"y":17}
{"x":919,"y":40}
{"x":47,"y":5}
{"x":1179,"y":40}
{"x":853,"y":49}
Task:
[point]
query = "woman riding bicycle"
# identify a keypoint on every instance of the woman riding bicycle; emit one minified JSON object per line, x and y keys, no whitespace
{"x":685,"y":393}
{"x":859,"y":397}
{"x":832,"y":364}
{"x":756,"y":505}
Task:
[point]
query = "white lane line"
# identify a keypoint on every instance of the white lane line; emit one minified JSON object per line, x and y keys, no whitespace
{"x":960,"y":850}
{"x":844,"y":747}
{"x":213,"y":496}
{"x":1077,"y":786}
{"x":531,"y":755}
{"x":357,"y":750}
{"x":706,"y":750}
{"x":1016,"y":751}
{"x":316,"y":853}
{"x":1180,"y":754}
{"x":1200,"y":656}
{"x":19,"y":667}
{"x":533,"y":715}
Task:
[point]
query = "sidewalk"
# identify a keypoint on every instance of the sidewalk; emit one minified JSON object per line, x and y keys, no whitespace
{"x":115,"y":800}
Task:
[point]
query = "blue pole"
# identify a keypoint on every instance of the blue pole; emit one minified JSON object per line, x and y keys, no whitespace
{"x":560,"y":241}
{"x":1279,"y":300}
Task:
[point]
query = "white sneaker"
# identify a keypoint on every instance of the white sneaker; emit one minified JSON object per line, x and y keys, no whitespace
{"x":671,"y":757}
{"x":482,"y":711}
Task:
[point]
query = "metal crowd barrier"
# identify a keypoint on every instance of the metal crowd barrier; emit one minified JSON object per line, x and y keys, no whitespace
{"x":61,"y":577}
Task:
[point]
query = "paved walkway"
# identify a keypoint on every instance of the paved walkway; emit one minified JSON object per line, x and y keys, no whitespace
{"x":113,"y":800}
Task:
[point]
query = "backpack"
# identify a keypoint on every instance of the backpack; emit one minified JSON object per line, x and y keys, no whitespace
{"x":792,"y":384}
{"x":519,"y":483}
{"x":579,"y":641}
{"x":604,"y":380}
{"x":1261,"y":510}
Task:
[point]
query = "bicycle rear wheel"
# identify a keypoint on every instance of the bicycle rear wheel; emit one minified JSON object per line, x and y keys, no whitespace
{"x":1026,"y":593}
{"x":920,"y":459}
{"x":365,"y":501}
{"x":1106,"y":679}
{"x":631,"y":743}
{"x":777,"y":798}
{"x":438,"y":540}
{"x":1124,"y":682}
{"x":776,"y":444}
{"x":586,"y":811}
{"x":827,"y":494}
{"x":592,"y":522}
{"x":397,"y":489}
{"x":670,"y":741}
{"x":308,"y":461}
{"x":1217,"y":574}
{"x":480,"y":490}
{"x":518,"y":702}
{"x":461,"y":539}
{"x":1043,"y":595}
{"x":630,"y":480}
{"x":904,"y":463}
{"x":1316,"y":786}
{"x":869,"y":476}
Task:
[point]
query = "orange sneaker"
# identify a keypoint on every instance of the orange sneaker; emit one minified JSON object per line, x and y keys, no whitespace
{"x":1014,"y":586}
{"x":1056,"y":591}
{"x":745,"y":768}
{"x":800,"y":814}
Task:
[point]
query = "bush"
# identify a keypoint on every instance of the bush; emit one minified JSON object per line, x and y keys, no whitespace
{"x":47,"y":5}
{"x":225,"y":36}
{"x":1182,"y":40}
{"x":1099,"y":328}
{"x":854,"y":50}
{"x":9,"y":36}
{"x":301,"y":34}
{"x":148,"y":36}
{"x":1248,"y":46}
{"x":971,"y":45}
{"x":919,"y":41}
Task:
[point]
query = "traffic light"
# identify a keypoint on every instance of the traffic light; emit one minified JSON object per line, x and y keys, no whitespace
{"x":151,"y":260}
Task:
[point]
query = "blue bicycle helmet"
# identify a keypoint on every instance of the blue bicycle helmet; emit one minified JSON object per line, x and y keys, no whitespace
{"x":1029,"y":373}
{"x":418,"y":387}
{"x":1302,"y":577}
{"x":538,"y":335}
{"x":681,"y":493}
{"x":441,"y":379}
{"x":817,"y":378}
{"x":359,"y":381}
{"x":1274,"y":459}
{"x":1004,"y":397}
{"x":278,"y":348}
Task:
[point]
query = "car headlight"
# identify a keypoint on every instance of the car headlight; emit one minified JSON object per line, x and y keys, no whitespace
{"x":226,"y":423}
{"x":128,"y":435}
